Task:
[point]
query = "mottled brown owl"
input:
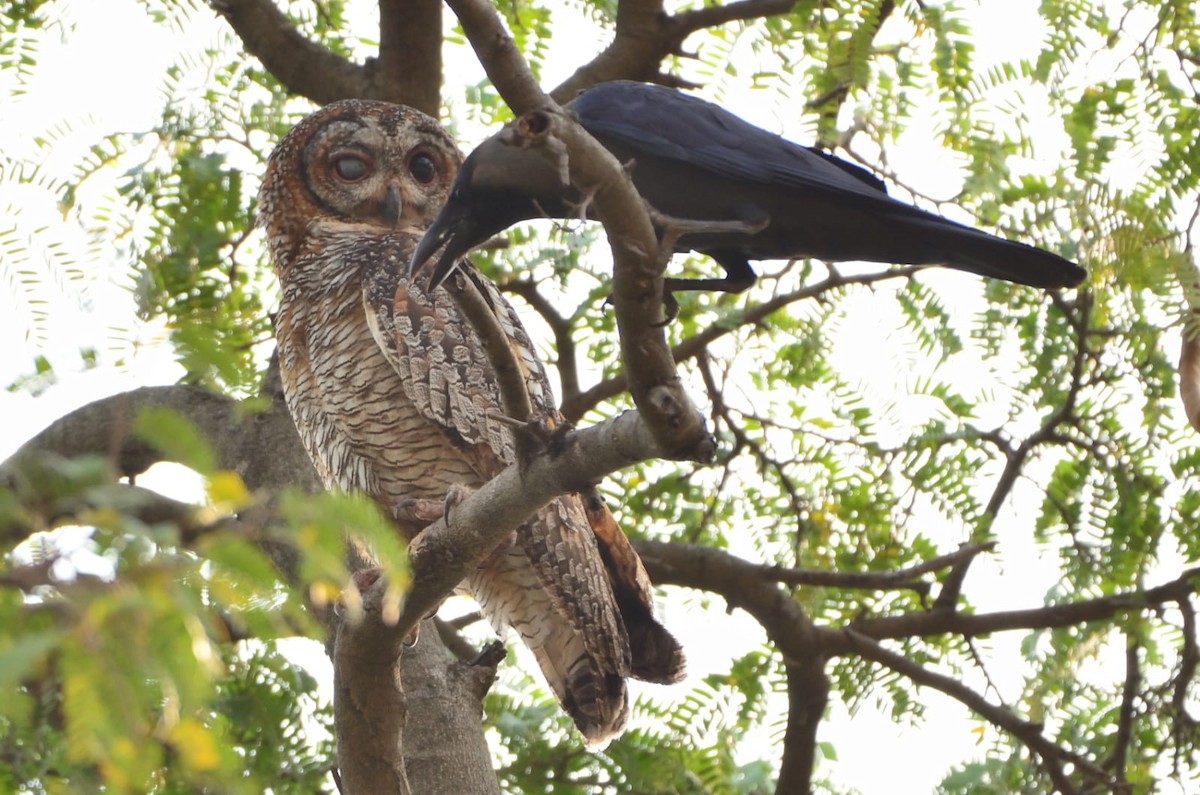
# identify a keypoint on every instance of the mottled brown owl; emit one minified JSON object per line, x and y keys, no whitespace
{"x":394,"y":396}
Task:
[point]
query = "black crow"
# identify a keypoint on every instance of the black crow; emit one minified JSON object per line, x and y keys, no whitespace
{"x":693,"y":160}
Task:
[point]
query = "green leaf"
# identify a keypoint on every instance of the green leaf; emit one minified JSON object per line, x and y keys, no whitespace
{"x":176,"y":437}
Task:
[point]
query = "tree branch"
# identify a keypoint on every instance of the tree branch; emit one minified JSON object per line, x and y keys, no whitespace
{"x":445,"y":552}
{"x":742,"y":584}
{"x":808,"y":695}
{"x":1016,"y":460}
{"x":409,"y":68}
{"x":300,"y":64}
{"x":374,"y":711}
{"x":1053,"y":757}
{"x":638,"y":261}
{"x":939,"y":622}
{"x":789,"y":628}
{"x":646,"y":35}
{"x":1118,"y":758}
{"x":261,"y":446}
{"x":692,"y":346}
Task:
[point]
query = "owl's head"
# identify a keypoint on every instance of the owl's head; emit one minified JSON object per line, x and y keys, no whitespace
{"x":355,"y":165}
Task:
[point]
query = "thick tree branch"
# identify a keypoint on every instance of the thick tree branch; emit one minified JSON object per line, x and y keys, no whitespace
{"x":445,"y":552}
{"x":444,"y":701}
{"x":300,"y":64}
{"x":808,"y":695}
{"x":369,"y":706}
{"x":409,"y":68}
{"x":499,"y":56}
{"x":261,"y":446}
{"x":638,"y":261}
{"x":743,"y":585}
{"x":374,"y":712}
{"x":646,"y":35}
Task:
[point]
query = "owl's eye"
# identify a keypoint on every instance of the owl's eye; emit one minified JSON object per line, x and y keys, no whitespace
{"x":423,"y":167}
{"x":351,"y":166}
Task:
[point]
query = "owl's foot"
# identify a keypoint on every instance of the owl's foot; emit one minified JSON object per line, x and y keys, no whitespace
{"x":421,"y":513}
{"x":418,"y":513}
{"x":536,"y":436}
{"x":365,"y":578}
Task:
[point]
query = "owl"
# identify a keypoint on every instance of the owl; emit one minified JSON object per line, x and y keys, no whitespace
{"x":394,"y":396}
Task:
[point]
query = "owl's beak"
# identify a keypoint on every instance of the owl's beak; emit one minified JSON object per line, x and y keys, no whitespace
{"x":393,"y":203}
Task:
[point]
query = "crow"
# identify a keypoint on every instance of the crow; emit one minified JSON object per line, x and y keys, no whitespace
{"x":763,"y":197}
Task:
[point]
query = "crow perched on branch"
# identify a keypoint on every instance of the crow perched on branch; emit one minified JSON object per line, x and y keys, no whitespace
{"x":739,"y":193}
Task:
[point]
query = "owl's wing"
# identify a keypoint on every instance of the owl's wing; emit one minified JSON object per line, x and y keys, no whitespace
{"x":448,"y":377}
{"x":444,"y":368}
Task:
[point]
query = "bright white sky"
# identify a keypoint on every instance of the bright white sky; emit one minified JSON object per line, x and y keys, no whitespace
{"x":119,"y":90}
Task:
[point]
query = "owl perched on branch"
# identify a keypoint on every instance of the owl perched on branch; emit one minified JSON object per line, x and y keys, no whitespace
{"x":394,"y":396}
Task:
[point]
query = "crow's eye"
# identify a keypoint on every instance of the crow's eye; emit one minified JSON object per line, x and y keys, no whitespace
{"x":351,"y":167}
{"x":423,"y":167}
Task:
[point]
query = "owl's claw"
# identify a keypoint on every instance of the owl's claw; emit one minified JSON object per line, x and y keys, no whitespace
{"x":421,"y":513}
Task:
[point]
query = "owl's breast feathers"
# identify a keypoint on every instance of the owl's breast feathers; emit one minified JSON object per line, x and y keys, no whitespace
{"x":394,"y":396}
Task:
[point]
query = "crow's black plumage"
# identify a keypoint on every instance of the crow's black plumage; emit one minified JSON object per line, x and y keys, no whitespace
{"x":693,"y":160}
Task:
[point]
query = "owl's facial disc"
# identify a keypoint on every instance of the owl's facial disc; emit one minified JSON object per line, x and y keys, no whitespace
{"x":360,"y":172}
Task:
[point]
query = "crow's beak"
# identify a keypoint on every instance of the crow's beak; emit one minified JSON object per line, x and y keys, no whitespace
{"x":453,"y":228}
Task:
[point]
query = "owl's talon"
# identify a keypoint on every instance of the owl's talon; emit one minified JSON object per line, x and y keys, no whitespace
{"x":412,"y":637}
{"x":454,"y":497}
{"x":365,"y":578}
{"x":418,"y":512}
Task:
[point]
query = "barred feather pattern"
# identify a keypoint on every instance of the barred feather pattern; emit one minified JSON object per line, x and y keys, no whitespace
{"x":393,"y":396}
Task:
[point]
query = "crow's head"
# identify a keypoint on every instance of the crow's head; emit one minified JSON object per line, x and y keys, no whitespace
{"x":498,"y":185}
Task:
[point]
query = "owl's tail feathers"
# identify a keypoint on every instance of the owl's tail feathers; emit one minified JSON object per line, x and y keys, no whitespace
{"x":595,"y":699}
{"x":585,"y":664}
{"x":655,"y":654}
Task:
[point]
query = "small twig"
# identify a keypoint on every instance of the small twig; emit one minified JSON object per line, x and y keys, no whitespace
{"x":877,"y":580}
{"x":1016,"y":460}
{"x":455,"y":642}
{"x":560,"y":326}
{"x":692,"y":346}
{"x":1048,"y":617}
{"x":514,"y":393}
{"x":1118,"y":757}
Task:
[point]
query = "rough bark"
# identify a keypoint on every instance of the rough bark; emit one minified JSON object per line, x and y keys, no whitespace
{"x":408,"y":713}
{"x":407,"y":70}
